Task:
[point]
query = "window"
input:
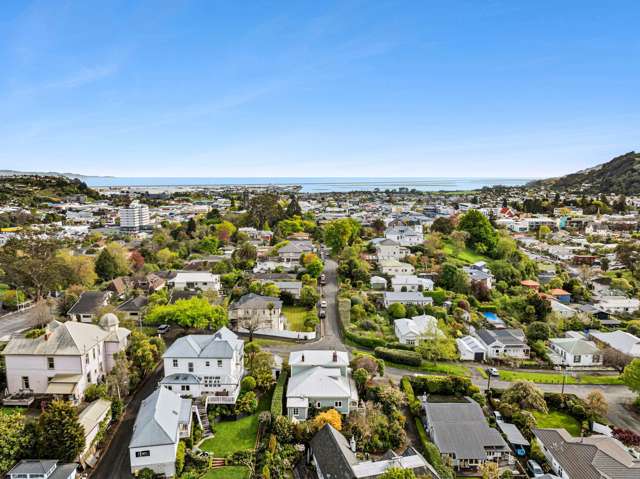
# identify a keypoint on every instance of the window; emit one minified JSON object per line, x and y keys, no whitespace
{"x":185,"y":387}
{"x":219,"y":363}
{"x":338,"y":404}
{"x":596,"y":358}
{"x":175,"y":363}
{"x":87,"y":358}
{"x":296,"y":411}
{"x":318,"y":405}
{"x":94,"y":353}
{"x":143,"y":453}
{"x":89,"y":377}
{"x":51,"y":363}
{"x":25,"y":382}
{"x":577,"y":358}
{"x":190,"y":367}
{"x":170,"y":388}
{"x":207,"y":363}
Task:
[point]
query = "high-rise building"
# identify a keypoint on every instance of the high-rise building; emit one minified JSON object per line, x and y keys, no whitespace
{"x":135,"y":217}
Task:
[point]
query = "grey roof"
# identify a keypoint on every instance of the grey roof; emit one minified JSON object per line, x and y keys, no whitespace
{"x":255,"y":301}
{"x":133,"y":304}
{"x":508,"y":337}
{"x":63,"y":471}
{"x":332,"y":452}
{"x":158,"y":419}
{"x":593,"y":457}
{"x":460,"y":428}
{"x":89,"y":303}
{"x":33,"y":466}
{"x":222,"y":344}
{"x":575,"y":345}
{"x":69,"y":338}
{"x":514,"y":436}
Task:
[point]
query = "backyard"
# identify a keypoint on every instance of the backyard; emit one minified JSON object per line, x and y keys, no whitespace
{"x":558,"y":419}
{"x":228,"y":472}
{"x":295,"y":317}
{"x":465,"y":255}
{"x":231,"y":436}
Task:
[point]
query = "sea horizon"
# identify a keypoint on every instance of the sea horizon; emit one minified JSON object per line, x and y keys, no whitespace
{"x":313,"y":184}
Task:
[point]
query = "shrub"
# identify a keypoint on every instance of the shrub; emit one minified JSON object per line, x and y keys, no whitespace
{"x":414,"y":404}
{"x":95,"y":391}
{"x":626,"y":436}
{"x":432,"y":454}
{"x":246,"y":403}
{"x":180,"y":453}
{"x":439,"y":296}
{"x":248,"y":383}
{"x":404,"y":347}
{"x":366,"y":341}
{"x":443,"y":385}
{"x":410,"y":358}
{"x":278,"y":393}
{"x":369,"y":325}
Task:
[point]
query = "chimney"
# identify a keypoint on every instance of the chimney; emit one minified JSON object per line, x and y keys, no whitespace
{"x":335,"y":356}
{"x":302,"y":359}
{"x":46,"y":336}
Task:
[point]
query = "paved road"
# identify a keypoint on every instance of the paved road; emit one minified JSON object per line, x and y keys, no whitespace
{"x":15,"y":322}
{"x":115,"y":463}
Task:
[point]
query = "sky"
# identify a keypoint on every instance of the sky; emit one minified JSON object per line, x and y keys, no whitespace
{"x":474,"y":88}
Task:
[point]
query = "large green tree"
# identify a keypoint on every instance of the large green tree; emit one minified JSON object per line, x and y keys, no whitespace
{"x":451,"y":277}
{"x":16,"y":439}
{"x":194,"y":312}
{"x":631,"y":376}
{"x":482,"y":236}
{"x":59,"y":433}
{"x":340,"y":233}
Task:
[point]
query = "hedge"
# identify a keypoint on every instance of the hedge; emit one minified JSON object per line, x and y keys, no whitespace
{"x":439,"y":295}
{"x":344,"y":312}
{"x":366,"y":341}
{"x":432,"y":454}
{"x":404,"y":347}
{"x":414,"y":405}
{"x":278,"y":394}
{"x":443,"y":385}
{"x":409,"y":358}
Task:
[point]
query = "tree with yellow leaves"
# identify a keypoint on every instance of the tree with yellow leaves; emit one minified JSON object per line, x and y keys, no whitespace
{"x":330,"y":416}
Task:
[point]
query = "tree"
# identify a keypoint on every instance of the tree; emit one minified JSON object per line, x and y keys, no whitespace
{"x":330,"y":416}
{"x":443,"y":224}
{"x":615,"y":359}
{"x":397,"y":310}
{"x":265,"y":208}
{"x":631,"y":375}
{"x":315,"y":267}
{"x":397,"y":473}
{"x":538,"y":330}
{"x":453,"y":278}
{"x":459,"y":240}
{"x":309,"y":296}
{"x":144,"y":353}
{"x":60,"y":434}
{"x":250,"y":350}
{"x":106,"y":266}
{"x":366,"y":362}
{"x":543,"y":232}
{"x":245,"y":255}
{"x":166,"y":258}
{"x":194,"y":312}
{"x":119,"y":378}
{"x":361,"y":376}
{"x":80,"y":269}
{"x":16,"y":439}
{"x":489,"y":470}
{"x":525,"y":395}
{"x":293,"y":208}
{"x":31,"y":263}
{"x":262,"y":369}
{"x":437,"y":347}
{"x":482,"y":236}
{"x":340,"y":233}
{"x":224,"y":231}
{"x":596,"y":404}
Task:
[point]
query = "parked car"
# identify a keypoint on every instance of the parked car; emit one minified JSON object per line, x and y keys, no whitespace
{"x":493,"y":372}
{"x":322,"y":314}
{"x":323,"y":304}
{"x":497,"y":415}
{"x":534,"y":468}
{"x":163,"y":328}
{"x":323,"y":279}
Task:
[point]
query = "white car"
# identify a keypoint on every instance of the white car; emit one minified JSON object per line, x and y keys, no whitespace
{"x":323,"y":304}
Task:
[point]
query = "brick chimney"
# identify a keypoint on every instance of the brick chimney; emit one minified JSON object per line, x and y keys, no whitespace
{"x":335,"y":356}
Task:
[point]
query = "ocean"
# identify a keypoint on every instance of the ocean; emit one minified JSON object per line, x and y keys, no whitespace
{"x":315,"y":185}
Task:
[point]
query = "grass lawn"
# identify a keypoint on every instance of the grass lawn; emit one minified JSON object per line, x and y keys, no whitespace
{"x":482,"y":372}
{"x":228,"y":472}
{"x":295,"y":317}
{"x":232,"y":436}
{"x":466,"y":255}
{"x":556,"y":378}
{"x":558,"y":419}
{"x":451,"y":369}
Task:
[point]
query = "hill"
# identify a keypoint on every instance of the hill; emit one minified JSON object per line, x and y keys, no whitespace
{"x":620,"y":175}
{"x":45,"y":173}
{"x":33,"y":190}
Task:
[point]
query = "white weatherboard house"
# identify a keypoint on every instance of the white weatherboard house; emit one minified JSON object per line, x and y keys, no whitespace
{"x":574,"y":352}
{"x":471,"y":349}
{"x":410,"y":283}
{"x":388,"y":249}
{"x":320,"y":379}
{"x":621,"y":341}
{"x":412,"y":331}
{"x":163,"y":419}
{"x":264,"y":312}
{"x":210,"y":365}
{"x":65,"y":359}
{"x":415,"y":298}
{"x":405,"y":235}
{"x":393,"y":267}
{"x":202,"y":280}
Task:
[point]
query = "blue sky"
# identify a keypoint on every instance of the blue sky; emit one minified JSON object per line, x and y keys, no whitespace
{"x":404,"y":88}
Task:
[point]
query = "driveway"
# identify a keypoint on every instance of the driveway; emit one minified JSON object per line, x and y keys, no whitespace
{"x":115,"y":462}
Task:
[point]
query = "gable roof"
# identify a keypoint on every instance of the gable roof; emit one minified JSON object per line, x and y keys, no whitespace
{"x":418,"y":325}
{"x":508,"y":337}
{"x":255,"y":301}
{"x":158,"y":419}
{"x":89,"y":302}
{"x":332,"y":452}
{"x":318,"y":382}
{"x":222,"y":344}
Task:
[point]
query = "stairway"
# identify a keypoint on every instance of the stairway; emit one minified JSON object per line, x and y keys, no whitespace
{"x":217,"y":463}
{"x":201,"y":404}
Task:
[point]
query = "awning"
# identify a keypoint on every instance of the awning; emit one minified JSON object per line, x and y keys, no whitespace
{"x":63,"y":384}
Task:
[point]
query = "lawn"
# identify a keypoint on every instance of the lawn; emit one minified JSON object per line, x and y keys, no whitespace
{"x":295,"y":317}
{"x":232,"y":436}
{"x":466,"y":255}
{"x":228,"y":472}
{"x":556,"y":378}
{"x":450,"y":369}
{"x":558,"y":420}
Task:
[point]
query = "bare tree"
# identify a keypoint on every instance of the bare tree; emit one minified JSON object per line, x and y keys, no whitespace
{"x":615,"y":359}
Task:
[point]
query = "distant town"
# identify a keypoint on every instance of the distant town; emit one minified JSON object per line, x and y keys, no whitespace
{"x":263,"y":332}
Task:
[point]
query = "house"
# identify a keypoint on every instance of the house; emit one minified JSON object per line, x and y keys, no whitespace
{"x":529,"y":283}
{"x":42,"y":469}
{"x":256,"y":311}
{"x":387,"y":249}
{"x":64,"y":360}
{"x":195,"y":280}
{"x":393,"y":267}
{"x":412,"y":331}
{"x":378,"y":282}
{"x":133,"y":308}
{"x":120,"y":285}
{"x":460,"y":431}
{"x":294,"y":288}
{"x":151,"y":283}
{"x":479,"y":273}
{"x":89,"y":305}
{"x":561,"y":295}
{"x":560,"y":308}
{"x":332,"y":456}
{"x":291,"y":252}
{"x":163,"y":419}
{"x":414,"y":298}
{"x":471,"y":349}
{"x":410,"y":282}
{"x":621,"y":341}
{"x":504,"y":343}
{"x":91,"y":419}
{"x":405,"y":235}
{"x":210,"y":365}
{"x":574,"y":352}
{"x":593,"y":457}
{"x":618,"y":304}
{"x":320,"y":379}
